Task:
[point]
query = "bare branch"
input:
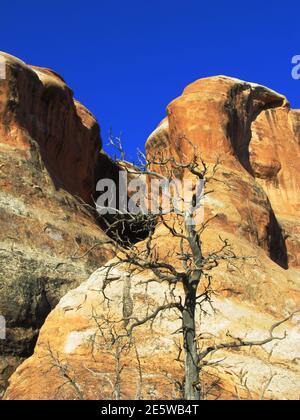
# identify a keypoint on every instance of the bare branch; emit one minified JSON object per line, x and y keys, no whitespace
{"x":239,"y":342}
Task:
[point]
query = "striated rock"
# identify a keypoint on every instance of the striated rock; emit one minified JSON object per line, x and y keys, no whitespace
{"x":49,"y":163}
{"x":256,"y":136}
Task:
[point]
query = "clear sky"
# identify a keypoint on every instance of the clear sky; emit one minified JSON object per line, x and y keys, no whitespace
{"x":126,"y":60}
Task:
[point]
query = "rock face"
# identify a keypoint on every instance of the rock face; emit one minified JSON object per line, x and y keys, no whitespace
{"x":255,"y":135}
{"x":49,"y":156}
{"x":71,"y":340}
{"x":38,"y":106}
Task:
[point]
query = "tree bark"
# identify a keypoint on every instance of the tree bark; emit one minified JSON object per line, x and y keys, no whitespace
{"x":192,"y":379}
{"x":192,"y":383}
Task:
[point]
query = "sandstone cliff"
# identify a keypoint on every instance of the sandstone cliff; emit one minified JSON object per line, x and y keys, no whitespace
{"x":49,"y":163}
{"x":255,"y":134}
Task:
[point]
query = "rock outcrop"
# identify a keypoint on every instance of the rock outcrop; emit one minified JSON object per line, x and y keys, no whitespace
{"x":255,"y":135}
{"x":50,"y":161}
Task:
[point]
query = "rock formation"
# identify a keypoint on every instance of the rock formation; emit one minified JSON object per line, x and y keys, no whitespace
{"x":254,"y":134}
{"x":49,"y":163}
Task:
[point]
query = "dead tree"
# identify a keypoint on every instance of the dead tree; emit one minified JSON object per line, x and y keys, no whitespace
{"x":65,"y":372}
{"x":193,"y":268}
{"x":107,"y":338}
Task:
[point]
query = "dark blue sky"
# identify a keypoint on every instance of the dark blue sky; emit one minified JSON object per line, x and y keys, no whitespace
{"x":126,"y":60}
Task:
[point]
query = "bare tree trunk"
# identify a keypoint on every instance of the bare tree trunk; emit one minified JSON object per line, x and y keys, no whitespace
{"x":192,"y":383}
{"x":192,"y":380}
{"x":118,"y":372}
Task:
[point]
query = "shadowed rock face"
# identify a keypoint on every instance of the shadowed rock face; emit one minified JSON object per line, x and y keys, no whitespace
{"x":49,"y":153}
{"x":37,"y":105}
{"x":256,"y":136}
